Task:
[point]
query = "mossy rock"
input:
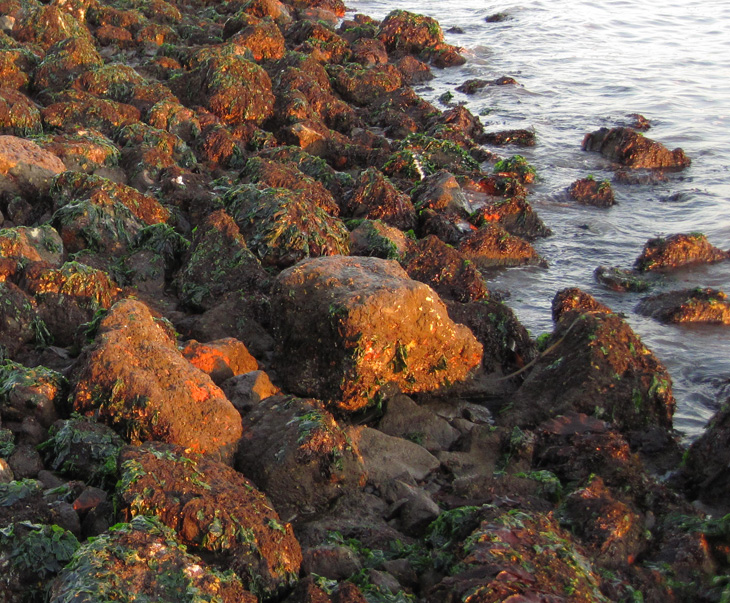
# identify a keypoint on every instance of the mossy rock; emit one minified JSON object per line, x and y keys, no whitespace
{"x":409,"y":32}
{"x":18,"y":114}
{"x":142,"y":560}
{"x":420,"y":156}
{"x":174,"y":118}
{"x":39,"y":392}
{"x":48,"y":25}
{"x":19,"y":321}
{"x":83,"y":151}
{"x":84,"y":111}
{"x":63,"y":63}
{"x":363,"y":84}
{"x":112,"y":81}
{"x":16,"y":67}
{"x":32,"y":244}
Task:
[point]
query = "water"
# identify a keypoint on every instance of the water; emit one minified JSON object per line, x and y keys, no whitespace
{"x":580,"y":67}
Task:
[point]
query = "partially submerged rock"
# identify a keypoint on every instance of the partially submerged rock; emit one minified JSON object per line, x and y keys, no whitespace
{"x":630,"y":148}
{"x":689,"y":305}
{"x":492,"y":246}
{"x":678,"y":250}
{"x":347,"y":327}
{"x":589,"y":191}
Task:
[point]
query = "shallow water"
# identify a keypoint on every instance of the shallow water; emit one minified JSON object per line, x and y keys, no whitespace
{"x":580,"y":67}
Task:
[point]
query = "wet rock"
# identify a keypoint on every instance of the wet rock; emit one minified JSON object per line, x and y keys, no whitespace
{"x":298,"y":455}
{"x":678,"y":250}
{"x":591,"y":192}
{"x":620,"y":280}
{"x":595,"y":364}
{"x":409,"y":32}
{"x":69,"y":296}
{"x":218,"y":261}
{"x":211,"y":506}
{"x":420,"y":156}
{"x":47,"y":25}
{"x":278,"y":11}
{"x":65,"y":61}
{"x":368,"y":51}
{"x":86,"y":111}
{"x":515,"y":167}
{"x":19,"y":116}
{"x":373,"y":238}
{"x":403,"y":418}
{"x":629,"y":148}
{"x":134,"y":379}
{"x":520,"y":138}
{"x":462,"y":120}
{"x":331,"y":561}
{"x":263,"y":39}
{"x":175,"y":118}
{"x":25,"y":168}
{"x":282,"y":227}
{"x":32,"y":244}
{"x":221,"y":359}
{"x":83,"y":449}
{"x":314,"y":167}
{"x":335,"y":6}
{"x":376,"y":198}
{"x":18,"y":318}
{"x":505,"y":543}
{"x":316,"y":38}
{"x":515,"y":215}
{"x":568,"y":300}
{"x":247,"y":390}
{"x":16,"y":67}
{"x":37,"y":392}
{"x":367,"y":325}
{"x":362,"y":84}
{"x":492,"y":246}
{"x":122,"y":560}
{"x":446,"y":270}
{"x":441,"y":192}
{"x":112,"y":82}
{"x":85,"y":151}
{"x":689,"y":305}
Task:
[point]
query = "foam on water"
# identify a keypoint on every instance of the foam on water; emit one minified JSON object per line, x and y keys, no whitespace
{"x":583,"y":66}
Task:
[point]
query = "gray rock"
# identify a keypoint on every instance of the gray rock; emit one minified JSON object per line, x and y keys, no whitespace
{"x":405,"y":419}
{"x":247,"y":390}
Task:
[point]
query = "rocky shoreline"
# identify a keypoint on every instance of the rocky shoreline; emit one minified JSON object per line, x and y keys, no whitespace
{"x":249,"y":351}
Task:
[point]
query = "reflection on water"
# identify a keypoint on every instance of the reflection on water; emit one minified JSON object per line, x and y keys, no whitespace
{"x":581,"y":66}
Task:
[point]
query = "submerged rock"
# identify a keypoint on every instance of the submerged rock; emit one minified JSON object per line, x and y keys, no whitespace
{"x":630,"y":148}
{"x":619,"y":279}
{"x":678,"y":250}
{"x":689,"y":305}
{"x":348,"y":327}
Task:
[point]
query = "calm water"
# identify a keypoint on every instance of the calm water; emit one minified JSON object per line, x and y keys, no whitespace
{"x":580,"y":67}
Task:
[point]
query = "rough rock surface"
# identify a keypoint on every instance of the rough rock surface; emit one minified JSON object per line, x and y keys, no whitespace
{"x":589,"y":191}
{"x":678,"y":250}
{"x":347,"y":327}
{"x":633,"y":150}
{"x":135,"y":379}
{"x":25,"y":168}
{"x":688,"y":305}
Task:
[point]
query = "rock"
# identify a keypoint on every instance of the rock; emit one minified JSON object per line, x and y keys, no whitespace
{"x":25,"y":168}
{"x":491,"y":246}
{"x":678,"y":250}
{"x":441,"y":192}
{"x":629,"y":148}
{"x":134,"y":378}
{"x":516,"y":167}
{"x":373,"y":238}
{"x":514,"y":214}
{"x":403,"y":418}
{"x":25,"y":462}
{"x":376,"y":198}
{"x":211,"y":506}
{"x":446,"y":270}
{"x":6,"y":473}
{"x":218,"y":261}
{"x":86,"y":111}
{"x":369,"y":51}
{"x":570,"y":299}
{"x":590,"y":192}
{"x":620,"y":280}
{"x":31,"y":392}
{"x":298,"y":455}
{"x":409,"y":32}
{"x":18,"y":114}
{"x":247,"y":390}
{"x":476,"y":455}
{"x":262,"y":39}
{"x":221,"y":359}
{"x":122,"y":560}
{"x":388,"y":458}
{"x":283,"y":227}
{"x":19,"y":321}
{"x":595,"y":365}
{"x":472,"y":86}
{"x":32,"y":244}
{"x":362,"y":84}
{"x":331,"y":561}
{"x":85,"y":450}
{"x":520,"y":138}
{"x":416,"y":510}
{"x":688,"y":305}
{"x":347,"y":327}
{"x":85,"y":151}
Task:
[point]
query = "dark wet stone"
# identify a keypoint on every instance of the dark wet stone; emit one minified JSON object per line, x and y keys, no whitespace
{"x":619,"y":279}
{"x":591,"y":192}
{"x":520,"y":138}
{"x":629,"y":148}
{"x":688,"y":306}
{"x":678,"y":250}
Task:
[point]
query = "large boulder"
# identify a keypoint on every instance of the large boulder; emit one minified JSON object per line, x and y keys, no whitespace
{"x":211,"y":506}
{"x":25,"y":168}
{"x":134,"y":378}
{"x":18,"y":114}
{"x":298,"y":455}
{"x":143,"y":560}
{"x":348,"y":327}
{"x":632,"y":149}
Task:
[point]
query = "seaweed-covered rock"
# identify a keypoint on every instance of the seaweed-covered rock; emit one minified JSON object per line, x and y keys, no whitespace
{"x":221,"y":359}
{"x":410,"y":32}
{"x":283,"y":227}
{"x":596,"y":365}
{"x":18,"y":114}
{"x":298,"y":455}
{"x":571,"y":299}
{"x":25,"y":168}
{"x":678,"y":250}
{"x":515,"y":215}
{"x":83,"y":449}
{"x":134,"y":378}
{"x":213,"y":507}
{"x":688,"y":305}
{"x":19,"y":322}
{"x":32,"y":244}
{"x":376,"y":198}
{"x":632,"y":149}
{"x":492,"y":246}
{"x":620,"y":279}
{"x":37,"y":392}
{"x":143,"y":560}
{"x":86,"y":111}
{"x":84,"y":151}
{"x":47,"y":25}
{"x":516,"y":167}
{"x":65,"y":61}
{"x":218,"y":261}
{"x":446,"y":270}
{"x":520,"y":138}
{"x":16,"y":67}
{"x":175,"y":118}
{"x":263,"y":39}
{"x":362,"y":84}
{"x":347,"y":327}
{"x":111,"y":81}
{"x":421,"y":155}
{"x":588,"y":191}
{"x":69,"y":296}
{"x":373,"y":238}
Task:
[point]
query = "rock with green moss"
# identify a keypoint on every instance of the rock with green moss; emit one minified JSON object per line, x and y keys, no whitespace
{"x":282,"y":227}
{"x":79,"y":110}
{"x":134,"y":378}
{"x":16,"y":67}
{"x":515,"y":214}
{"x":492,"y":246}
{"x":65,"y":61}
{"x":38,"y":392}
{"x":19,"y":321}
{"x":69,"y":296}
{"x":111,"y":81}
{"x":632,"y":149}
{"x":32,"y":244}
{"x":699,"y":305}
{"x":298,"y":455}
{"x":376,"y":198}
{"x":218,"y":262}
{"x":174,"y":118}
{"x":213,"y":507}
{"x":373,"y":238}
{"x":362,"y":84}
{"x":84,"y":151}
{"x":312,"y":166}
{"x":420,"y":155}
{"x":142,"y":560}
{"x":318,"y":39}
{"x":262,"y":38}
{"x":677,"y":250}
{"x":18,"y":115}
{"x":349,"y":327}
{"x":47,"y":25}
{"x":409,"y":32}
